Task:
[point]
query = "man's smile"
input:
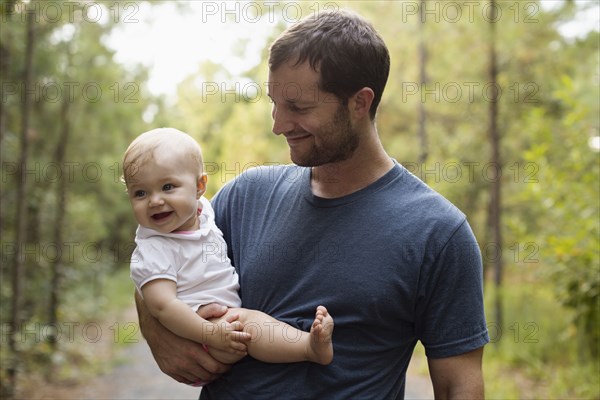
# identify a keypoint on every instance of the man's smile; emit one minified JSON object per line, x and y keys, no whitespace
{"x":294,"y":139}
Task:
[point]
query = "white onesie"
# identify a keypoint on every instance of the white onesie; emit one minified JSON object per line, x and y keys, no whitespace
{"x":196,"y":261}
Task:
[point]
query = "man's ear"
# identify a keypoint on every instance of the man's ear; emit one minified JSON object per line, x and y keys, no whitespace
{"x":360,"y":102}
{"x":201,"y":185}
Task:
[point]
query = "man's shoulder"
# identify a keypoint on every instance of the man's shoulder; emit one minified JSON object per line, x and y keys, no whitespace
{"x":267,"y":175}
{"x":418,"y":197}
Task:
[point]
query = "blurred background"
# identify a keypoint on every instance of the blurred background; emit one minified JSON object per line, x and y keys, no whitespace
{"x":495,"y":104}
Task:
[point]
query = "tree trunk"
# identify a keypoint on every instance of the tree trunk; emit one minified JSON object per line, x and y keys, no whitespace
{"x":21,"y":215}
{"x":423,"y":77}
{"x":494,"y":210}
{"x":5,"y":58}
{"x":61,"y":199}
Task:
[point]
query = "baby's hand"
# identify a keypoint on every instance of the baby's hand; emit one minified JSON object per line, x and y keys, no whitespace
{"x":235,"y":330}
{"x":230,"y":337}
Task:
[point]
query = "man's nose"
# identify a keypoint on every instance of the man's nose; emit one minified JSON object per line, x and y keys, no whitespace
{"x":282,"y":121}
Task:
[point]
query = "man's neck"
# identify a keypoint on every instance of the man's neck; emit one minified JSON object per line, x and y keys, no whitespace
{"x":366,"y":166}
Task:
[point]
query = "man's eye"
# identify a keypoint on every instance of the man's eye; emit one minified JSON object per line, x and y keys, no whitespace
{"x":169,"y":186}
{"x":139,"y":193}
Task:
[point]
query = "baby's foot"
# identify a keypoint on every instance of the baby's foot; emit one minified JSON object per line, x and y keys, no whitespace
{"x":321,"y":346}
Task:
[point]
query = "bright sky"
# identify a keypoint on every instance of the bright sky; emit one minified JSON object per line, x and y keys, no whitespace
{"x":173,"y":42}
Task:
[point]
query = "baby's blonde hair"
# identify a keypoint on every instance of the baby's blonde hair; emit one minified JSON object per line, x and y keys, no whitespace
{"x":167,"y":140}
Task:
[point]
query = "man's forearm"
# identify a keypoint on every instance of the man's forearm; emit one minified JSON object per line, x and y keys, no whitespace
{"x":148,"y":324}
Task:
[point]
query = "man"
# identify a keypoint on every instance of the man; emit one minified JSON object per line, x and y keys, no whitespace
{"x":346,"y":227}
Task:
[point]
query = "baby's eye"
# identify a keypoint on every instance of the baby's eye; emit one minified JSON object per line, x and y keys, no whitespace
{"x":168,"y":186}
{"x":139,"y":193}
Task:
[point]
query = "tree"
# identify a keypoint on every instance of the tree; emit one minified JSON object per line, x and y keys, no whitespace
{"x":21,"y":236}
{"x":423,"y":78}
{"x":495,"y":207}
{"x":61,"y":206}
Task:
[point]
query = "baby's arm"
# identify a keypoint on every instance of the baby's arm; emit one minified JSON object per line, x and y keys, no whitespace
{"x":160,"y":296}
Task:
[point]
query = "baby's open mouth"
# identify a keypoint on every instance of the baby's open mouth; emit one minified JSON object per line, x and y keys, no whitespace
{"x":162,"y":215}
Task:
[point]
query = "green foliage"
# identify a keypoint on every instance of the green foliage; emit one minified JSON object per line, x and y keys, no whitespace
{"x":95,"y":321}
{"x":535,"y":353}
{"x":570,"y":196}
{"x":79,"y":87}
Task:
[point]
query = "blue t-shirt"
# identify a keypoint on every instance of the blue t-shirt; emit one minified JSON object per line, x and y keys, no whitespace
{"x":393,"y":263}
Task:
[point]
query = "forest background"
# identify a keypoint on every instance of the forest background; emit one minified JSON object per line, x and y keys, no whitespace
{"x":489,"y":102}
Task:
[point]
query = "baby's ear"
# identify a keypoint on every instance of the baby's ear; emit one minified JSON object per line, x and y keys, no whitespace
{"x":201,"y":185}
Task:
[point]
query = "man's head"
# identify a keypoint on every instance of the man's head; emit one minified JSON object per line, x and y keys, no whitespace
{"x":343,"y":47}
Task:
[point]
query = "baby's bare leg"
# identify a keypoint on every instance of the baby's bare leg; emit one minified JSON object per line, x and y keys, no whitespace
{"x":277,"y":342}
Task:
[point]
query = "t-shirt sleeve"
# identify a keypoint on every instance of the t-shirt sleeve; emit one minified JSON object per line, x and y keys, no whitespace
{"x":450,"y":314}
{"x":221,"y":204}
{"x":151,"y":260}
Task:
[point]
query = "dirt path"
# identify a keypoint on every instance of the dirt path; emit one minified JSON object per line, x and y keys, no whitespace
{"x":135,"y":376}
{"x":138,"y":378}
{"x":141,"y":379}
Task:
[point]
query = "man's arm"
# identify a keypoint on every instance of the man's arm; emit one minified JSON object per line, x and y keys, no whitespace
{"x":458,"y":377}
{"x":182,"y":359}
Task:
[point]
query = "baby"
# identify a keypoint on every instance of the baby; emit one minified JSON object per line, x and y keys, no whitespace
{"x":180,"y":262}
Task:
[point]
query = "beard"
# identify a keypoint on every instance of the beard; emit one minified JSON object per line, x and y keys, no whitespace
{"x":337,"y":142}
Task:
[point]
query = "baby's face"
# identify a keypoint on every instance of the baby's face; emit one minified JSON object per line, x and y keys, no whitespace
{"x":163,"y":192}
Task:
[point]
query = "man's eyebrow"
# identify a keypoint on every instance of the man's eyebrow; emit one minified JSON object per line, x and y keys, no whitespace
{"x":294,"y":101}
{"x":306,"y":103}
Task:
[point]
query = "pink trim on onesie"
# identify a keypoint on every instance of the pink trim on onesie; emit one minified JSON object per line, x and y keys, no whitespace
{"x":189,"y":232}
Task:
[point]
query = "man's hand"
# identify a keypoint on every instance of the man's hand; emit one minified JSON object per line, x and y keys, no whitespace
{"x":182,"y":359}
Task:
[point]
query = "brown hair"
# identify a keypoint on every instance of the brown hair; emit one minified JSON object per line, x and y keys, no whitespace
{"x":343,"y":47}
